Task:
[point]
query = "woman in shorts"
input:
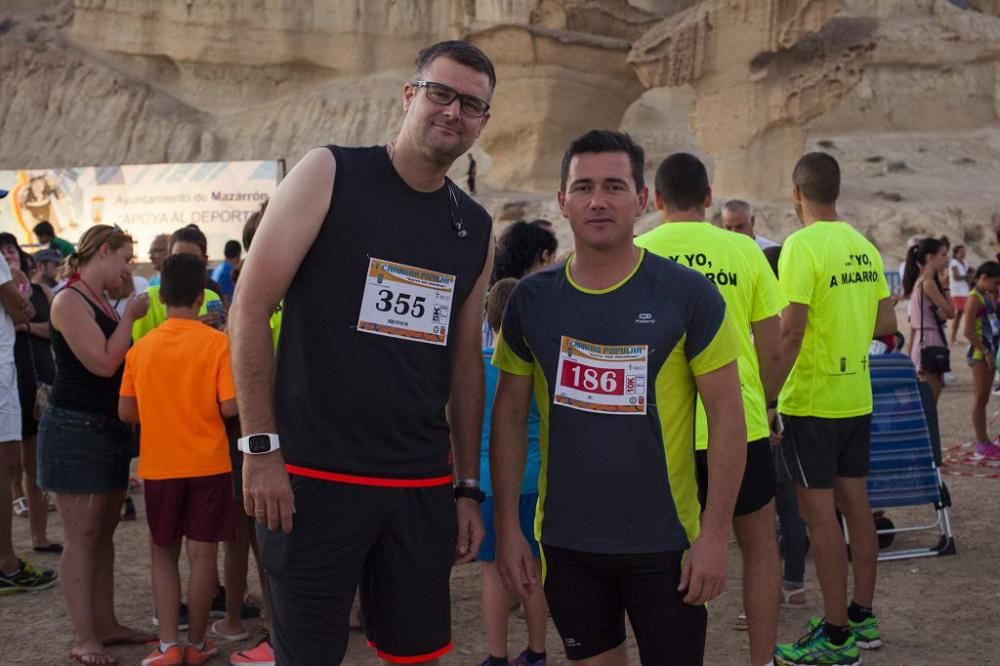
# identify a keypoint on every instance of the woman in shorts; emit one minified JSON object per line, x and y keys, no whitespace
{"x":84,"y":451}
{"x":983,"y":332}
{"x":930,"y":305}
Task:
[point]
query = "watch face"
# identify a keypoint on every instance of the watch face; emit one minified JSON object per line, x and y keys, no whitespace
{"x":259,"y":444}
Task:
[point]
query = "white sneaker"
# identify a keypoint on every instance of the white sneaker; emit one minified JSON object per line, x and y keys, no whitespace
{"x":949,"y":378}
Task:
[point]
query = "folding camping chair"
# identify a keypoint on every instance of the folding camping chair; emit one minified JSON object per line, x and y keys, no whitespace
{"x":906,"y":455}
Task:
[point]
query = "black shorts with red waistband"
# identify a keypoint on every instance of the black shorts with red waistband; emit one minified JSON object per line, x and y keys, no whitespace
{"x":394,"y":539}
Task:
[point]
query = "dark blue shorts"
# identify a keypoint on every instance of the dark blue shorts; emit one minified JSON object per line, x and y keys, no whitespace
{"x":526,"y":512}
{"x":83,"y":452}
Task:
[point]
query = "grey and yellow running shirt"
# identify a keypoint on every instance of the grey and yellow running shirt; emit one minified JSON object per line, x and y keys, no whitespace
{"x":613,"y":373}
{"x":739,"y":269}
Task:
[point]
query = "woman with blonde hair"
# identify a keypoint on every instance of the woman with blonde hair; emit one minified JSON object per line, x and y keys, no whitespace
{"x":83,"y":449}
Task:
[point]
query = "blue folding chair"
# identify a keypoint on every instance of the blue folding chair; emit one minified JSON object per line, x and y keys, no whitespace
{"x":906,"y":455}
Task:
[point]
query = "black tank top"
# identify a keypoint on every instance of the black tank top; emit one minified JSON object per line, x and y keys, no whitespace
{"x":33,"y":355}
{"x":357,"y":403}
{"x":76,"y":387}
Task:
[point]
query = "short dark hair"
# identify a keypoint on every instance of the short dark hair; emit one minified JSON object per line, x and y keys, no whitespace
{"x":605,"y":141}
{"x":990,"y":269}
{"x":24,"y":260}
{"x":44,"y":228}
{"x":182,"y":280}
{"x":190,"y":234}
{"x":682,"y":182}
{"x":461,"y":52}
{"x":250,"y":226}
{"x":233,"y":250}
{"x":817,"y":175}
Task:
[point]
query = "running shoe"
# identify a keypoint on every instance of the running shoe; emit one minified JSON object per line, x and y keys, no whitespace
{"x":988,"y":450}
{"x":174,"y":656}
{"x":816,"y":649}
{"x":261,"y":654}
{"x":866,"y":633}
{"x":195,"y":655}
{"x":522,"y":660}
{"x":26,"y":579}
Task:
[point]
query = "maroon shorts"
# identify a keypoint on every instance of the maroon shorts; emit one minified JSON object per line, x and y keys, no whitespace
{"x":200,"y":508}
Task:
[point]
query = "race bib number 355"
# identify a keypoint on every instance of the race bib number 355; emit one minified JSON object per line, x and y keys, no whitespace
{"x":402,"y":301}
{"x":608,"y":379}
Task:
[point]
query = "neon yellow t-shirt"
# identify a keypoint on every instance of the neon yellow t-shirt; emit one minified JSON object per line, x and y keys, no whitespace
{"x":836,"y":272}
{"x":275,"y":323}
{"x":157,"y":313}
{"x":740,"y":270}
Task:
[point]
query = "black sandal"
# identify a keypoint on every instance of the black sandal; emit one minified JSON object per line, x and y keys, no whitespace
{"x":53,"y":547}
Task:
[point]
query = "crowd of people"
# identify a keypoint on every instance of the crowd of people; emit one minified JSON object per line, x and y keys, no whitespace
{"x":387,"y":392}
{"x":939,"y":285}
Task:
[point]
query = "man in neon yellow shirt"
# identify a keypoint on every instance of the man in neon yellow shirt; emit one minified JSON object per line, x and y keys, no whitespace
{"x":839,"y":300}
{"x":736,"y":265}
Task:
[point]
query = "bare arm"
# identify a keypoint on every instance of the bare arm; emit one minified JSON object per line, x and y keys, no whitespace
{"x":944,"y":305}
{"x":72,"y":316}
{"x":16,"y":305}
{"x":465,"y":407}
{"x":508,"y":451}
{"x":767,"y":342}
{"x":287,"y":231}
{"x":40,"y":329}
{"x":465,"y":403}
{"x":228,"y":408}
{"x":128,"y":409}
{"x":793,"y":328}
{"x":885,"y":320}
{"x":969,"y":327}
{"x":704,"y":572}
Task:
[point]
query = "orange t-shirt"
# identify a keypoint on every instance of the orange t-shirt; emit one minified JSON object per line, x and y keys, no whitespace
{"x":179,"y":373}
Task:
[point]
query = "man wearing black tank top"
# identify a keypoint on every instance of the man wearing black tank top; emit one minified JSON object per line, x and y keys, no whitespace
{"x":372,"y":408}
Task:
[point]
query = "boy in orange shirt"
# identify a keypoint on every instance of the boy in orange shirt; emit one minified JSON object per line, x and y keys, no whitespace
{"x":178,"y":382}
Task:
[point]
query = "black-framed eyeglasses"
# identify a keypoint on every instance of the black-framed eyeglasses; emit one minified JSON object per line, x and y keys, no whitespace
{"x":439,"y":93}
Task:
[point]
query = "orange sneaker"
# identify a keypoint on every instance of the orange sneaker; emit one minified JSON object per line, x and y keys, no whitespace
{"x":174,"y":656}
{"x":192,"y":655}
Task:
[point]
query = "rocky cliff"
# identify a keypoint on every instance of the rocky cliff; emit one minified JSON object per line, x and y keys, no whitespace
{"x":903,"y":92}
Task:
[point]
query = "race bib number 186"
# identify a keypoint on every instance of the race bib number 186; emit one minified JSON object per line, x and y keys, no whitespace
{"x":608,"y":379}
{"x":402,"y":301}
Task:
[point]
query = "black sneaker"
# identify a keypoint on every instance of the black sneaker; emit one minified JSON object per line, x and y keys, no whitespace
{"x":218,"y":610}
{"x":182,"y":618}
{"x":26,"y":579}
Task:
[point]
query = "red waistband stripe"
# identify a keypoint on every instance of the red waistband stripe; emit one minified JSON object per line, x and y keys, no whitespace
{"x":415,"y":659}
{"x":369,"y":480}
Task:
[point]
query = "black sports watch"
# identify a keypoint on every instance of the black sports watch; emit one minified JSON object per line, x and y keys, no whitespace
{"x":470,"y":492}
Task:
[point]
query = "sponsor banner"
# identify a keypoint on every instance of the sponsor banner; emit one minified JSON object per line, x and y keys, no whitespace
{"x":144,"y":199}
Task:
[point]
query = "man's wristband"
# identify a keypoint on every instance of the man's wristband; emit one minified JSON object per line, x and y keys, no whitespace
{"x":470,"y":493}
{"x":468,"y":483}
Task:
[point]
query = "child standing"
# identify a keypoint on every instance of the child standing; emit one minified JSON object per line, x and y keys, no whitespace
{"x":178,"y":382}
{"x":496,"y":600}
{"x":983,"y":331}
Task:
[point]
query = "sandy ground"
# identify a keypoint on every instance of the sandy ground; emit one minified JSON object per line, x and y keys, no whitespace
{"x":934,"y":611}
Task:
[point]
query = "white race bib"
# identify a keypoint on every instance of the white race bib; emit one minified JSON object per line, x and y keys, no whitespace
{"x":406,"y":302}
{"x":607,"y":379}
